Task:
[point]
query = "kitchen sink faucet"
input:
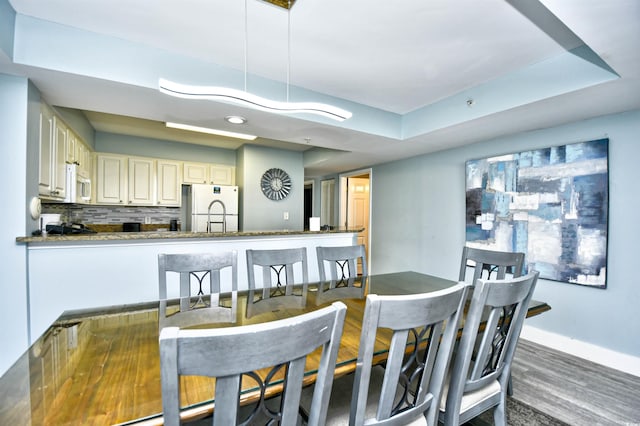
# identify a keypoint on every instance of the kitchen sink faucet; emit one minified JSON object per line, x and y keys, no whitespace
{"x":224,"y":216}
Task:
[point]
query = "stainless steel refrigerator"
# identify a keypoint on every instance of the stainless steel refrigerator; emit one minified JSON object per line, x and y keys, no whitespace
{"x":210,"y":208}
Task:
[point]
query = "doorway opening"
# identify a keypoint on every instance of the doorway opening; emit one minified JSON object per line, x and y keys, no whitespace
{"x":308,"y":203}
{"x":355,"y":206}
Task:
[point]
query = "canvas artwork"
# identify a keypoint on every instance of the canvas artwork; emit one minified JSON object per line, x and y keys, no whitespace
{"x":551,"y":204}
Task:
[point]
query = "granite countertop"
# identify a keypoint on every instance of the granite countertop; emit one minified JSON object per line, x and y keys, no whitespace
{"x":163,"y":235}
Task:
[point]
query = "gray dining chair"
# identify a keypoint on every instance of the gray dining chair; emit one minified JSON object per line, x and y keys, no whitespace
{"x":490,"y":261}
{"x":407,"y":389}
{"x":482,"y":363}
{"x":284,"y":277}
{"x":227,"y":353}
{"x":339,"y":276}
{"x":198,"y":276}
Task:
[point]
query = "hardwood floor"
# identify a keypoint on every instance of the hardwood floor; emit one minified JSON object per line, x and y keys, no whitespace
{"x":574,"y":390}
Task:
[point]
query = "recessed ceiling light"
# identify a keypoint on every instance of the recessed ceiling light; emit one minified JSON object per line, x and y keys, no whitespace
{"x":235,"y":119}
{"x":210,"y":131}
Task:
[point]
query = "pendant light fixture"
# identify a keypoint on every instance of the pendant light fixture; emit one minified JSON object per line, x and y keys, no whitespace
{"x":244,"y":98}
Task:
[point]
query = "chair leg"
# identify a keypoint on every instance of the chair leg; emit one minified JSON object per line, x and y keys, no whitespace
{"x":304,"y":416}
{"x":500,"y":413}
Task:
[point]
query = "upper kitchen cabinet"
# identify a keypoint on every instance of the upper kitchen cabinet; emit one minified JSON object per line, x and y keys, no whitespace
{"x":195,"y":173}
{"x":169,"y":183}
{"x":45,"y":179}
{"x":142,"y":184}
{"x":79,"y":153}
{"x":53,"y":155}
{"x":111,"y":179}
{"x":125,"y":180}
{"x":84,"y":159}
{"x":218,"y":174}
{"x":72,"y":145}
{"x":142,"y":181}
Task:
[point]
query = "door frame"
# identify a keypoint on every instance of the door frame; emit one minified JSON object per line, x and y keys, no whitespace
{"x":343,"y":193}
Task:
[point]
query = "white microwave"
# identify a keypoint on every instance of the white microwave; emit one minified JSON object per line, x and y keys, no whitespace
{"x":78,"y":186}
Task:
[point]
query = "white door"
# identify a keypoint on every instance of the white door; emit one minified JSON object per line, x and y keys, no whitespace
{"x":358,"y":209}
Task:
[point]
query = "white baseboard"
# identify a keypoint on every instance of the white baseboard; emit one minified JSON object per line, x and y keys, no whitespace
{"x":619,"y":361}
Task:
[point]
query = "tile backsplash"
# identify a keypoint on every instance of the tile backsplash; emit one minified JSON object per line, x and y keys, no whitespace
{"x":93,"y":214}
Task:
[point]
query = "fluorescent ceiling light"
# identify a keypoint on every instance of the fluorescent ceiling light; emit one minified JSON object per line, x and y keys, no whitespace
{"x":226,"y":94}
{"x":210,"y":131}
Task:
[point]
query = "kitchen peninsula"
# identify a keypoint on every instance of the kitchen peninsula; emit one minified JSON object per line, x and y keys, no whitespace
{"x":83,"y":271}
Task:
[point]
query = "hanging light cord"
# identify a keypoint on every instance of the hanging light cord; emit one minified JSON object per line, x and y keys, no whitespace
{"x":288,"y":47}
{"x":246,"y":44}
{"x":247,"y":99}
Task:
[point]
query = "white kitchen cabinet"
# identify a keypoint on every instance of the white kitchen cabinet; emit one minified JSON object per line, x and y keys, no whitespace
{"x":45,"y":178}
{"x":111,"y":179}
{"x":60,"y":158}
{"x":72,"y":144}
{"x":195,"y":172}
{"x":53,"y":155}
{"x":84,"y":159}
{"x":142,"y":183}
{"x":59,"y":146}
{"x":169,"y":179}
{"x":221,"y":174}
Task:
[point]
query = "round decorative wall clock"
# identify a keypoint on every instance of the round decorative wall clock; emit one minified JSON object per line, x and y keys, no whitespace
{"x":275,"y":184}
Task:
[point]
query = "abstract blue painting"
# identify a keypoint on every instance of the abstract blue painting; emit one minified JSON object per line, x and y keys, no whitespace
{"x":551,"y":204}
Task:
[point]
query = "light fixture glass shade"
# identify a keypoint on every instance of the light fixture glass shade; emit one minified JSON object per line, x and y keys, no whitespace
{"x":235,"y":119}
{"x":226,"y":94}
{"x":210,"y":131}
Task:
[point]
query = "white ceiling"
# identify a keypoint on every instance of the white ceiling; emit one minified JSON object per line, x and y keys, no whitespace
{"x":387,"y":61}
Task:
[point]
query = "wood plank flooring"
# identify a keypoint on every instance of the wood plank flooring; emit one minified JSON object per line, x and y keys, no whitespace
{"x":574,"y":390}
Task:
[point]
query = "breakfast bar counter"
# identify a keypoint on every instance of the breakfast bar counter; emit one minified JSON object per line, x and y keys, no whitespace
{"x":165,"y":235}
{"x":83,"y":271}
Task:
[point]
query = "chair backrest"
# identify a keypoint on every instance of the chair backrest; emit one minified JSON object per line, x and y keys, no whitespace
{"x":412,"y":318}
{"x":491,"y":330}
{"x":227,"y":353}
{"x":341,"y":263}
{"x":201,"y":305}
{"x":278,"y":276}
{"x":490,"y":261}
{"x":338,"y":269}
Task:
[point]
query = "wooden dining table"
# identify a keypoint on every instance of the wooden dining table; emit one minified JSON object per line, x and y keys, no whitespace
{"x":102,"y":366}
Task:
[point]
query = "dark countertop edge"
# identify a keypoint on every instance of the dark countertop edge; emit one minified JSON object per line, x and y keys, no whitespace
{"x":168,"y":235}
